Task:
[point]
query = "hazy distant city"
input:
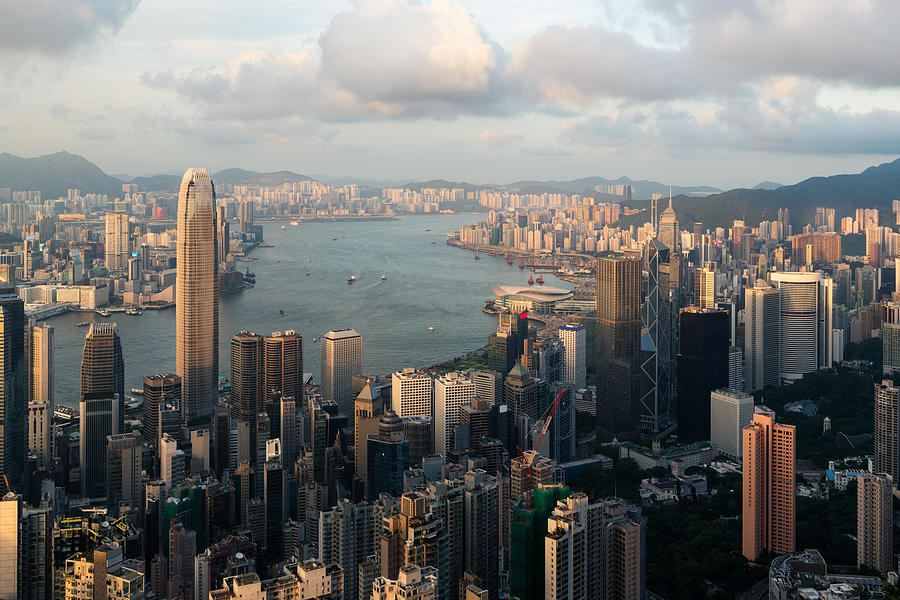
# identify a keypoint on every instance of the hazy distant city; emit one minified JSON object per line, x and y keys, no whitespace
{"x":548,"y":328}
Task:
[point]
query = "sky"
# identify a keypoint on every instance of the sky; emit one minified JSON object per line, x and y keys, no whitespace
{"x":685,"y":92}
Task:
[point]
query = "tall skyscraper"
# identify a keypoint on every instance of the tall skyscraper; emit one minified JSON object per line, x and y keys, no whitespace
{"x":804,"y":322}
{"x":99,"y":417}
{"x":729,"y":412}
{"x":702,"y":368}
{"x":887,"y":429}
{"x":451,"y":392}
{"x":159,"y":390}
{"x":197,"y":298}
{"x":761,"y":336}
{"x":411,"y":393}
{"x":247,"y":379}
{"x":342,"y":352}
{"x":283,"y":365}
{"x":768,"y":519}
{"x":618,"y":346}
{"x":102,"y":365}
{"x":658,"y":366}
{"x":123,"y":471}
{"x":368,"y":408}
{"x":705,"y":286}
{"x":874,"y":522}
{"x":388,"y":457}
{"x":13,"y":389}
{"x":574,"y":339}
{"x":117,"y":239}
{"x":40,"y":399}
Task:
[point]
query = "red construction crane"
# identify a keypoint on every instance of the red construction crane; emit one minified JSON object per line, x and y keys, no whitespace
{"x":547,"y":416}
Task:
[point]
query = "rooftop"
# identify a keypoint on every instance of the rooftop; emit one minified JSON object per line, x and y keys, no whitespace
{"x":542,"y":294}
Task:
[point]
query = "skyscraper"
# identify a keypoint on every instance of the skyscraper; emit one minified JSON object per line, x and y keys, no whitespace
{"x":618,"y":346}
{"x":283,"y":365}
{"x":761,"y":336}
{"x":874,"y":522}
{"x":887,"y":429}
{"x":574,"y":339}
{"x":99,"y":417}
{"x":411,"y":393}
{"x":123,"y":470}
{"x":702,"y":368}
{"x":40,"y":399}
{"x":197,"y":298}
{"x":159,"y":390}
{"x":102,"y":365}
{"x":705,"y":286}
{"x":117,"y":251}
{"x":13,"y":389}
{"x":342,"y":352}
{"x":768,"y":519}
{"x":368,"y":408}
{"x":451,"y":392}
{"x":247,"y":379}
{"x":729,"y":412}
{"x":388,"y":457}
{"x":658,"y":367}
{"x":804,"y":322}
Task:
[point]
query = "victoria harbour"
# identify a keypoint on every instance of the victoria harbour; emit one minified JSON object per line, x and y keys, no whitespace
{"x":301,"y":284}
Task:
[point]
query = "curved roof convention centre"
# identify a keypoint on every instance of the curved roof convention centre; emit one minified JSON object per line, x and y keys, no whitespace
{"x":535,"y":294}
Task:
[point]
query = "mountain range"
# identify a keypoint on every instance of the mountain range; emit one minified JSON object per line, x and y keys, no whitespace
{"x":875,"y":187}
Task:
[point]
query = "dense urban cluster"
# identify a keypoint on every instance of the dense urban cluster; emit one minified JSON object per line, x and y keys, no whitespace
{"x":261,"y":484}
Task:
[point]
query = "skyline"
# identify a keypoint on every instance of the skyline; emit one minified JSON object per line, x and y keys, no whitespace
{"x":520,"y":94}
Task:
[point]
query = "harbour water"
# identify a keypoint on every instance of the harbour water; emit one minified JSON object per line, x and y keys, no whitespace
{"x":305,"y":275}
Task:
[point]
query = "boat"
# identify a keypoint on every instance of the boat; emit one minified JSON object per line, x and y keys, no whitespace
{"x":333,"y":239}
{"x":294,"y":223}
{"x":433,"y":243}
{"x":308,"y":260}
{"x":383,"y":276}
{"x":540,"y":280}
{"x":307,"y":274}
{"x":82,"y":324}
{"x":283,"y":227}
{"x":521,"y":264}
{"x":352,"y":279}
{"x":530,"y":280}
{"x":477,"y":256}
{"x":315,"y":340}
{"x":102,"y":312}
{"x":508,"y":260}
{"x":137,"y":391}
{"x":133,"y":312}
{"x":430,"y":328}
{"x":428,"y":229}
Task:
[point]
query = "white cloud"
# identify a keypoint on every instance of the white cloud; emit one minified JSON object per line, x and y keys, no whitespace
{"x":498,"y":138}
{"x":54,"y":27}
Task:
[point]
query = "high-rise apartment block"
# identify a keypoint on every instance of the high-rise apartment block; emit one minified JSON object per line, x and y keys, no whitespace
{"x":874,"y":522}
{"x":342,"y":352}
{"x":451,"y":392}
{"x":117,"y":240}
{"x":729,"y":412}
{"x":574,"y":339}
{"x":768,"y":517}
{"x":887,"y":429}
{"x":411,"y":393}
{"x":197,"y":298}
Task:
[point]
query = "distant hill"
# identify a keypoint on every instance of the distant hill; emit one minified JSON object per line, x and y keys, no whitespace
{"x":243,"y":176}
{"x":875,"y":187}
{"x":767,"y":185}
{"x":158,"y":183}
{"x":641,"y":189}
{"x":53,"y":174}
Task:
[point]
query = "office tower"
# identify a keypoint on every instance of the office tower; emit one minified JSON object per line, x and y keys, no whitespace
{"x":171,"y":468}
{"x":729,"y":412}
{"x":481,"y":544}
{"x":223,"y":234}
{"x":618,"y":346}
{"x":200,"y":452}
{"x":40,"y":399}
{"x":668,"y":228}
{"x":874,"y":522}
{"x":11,"y":549}
{"x":117,"y":238}
{"x":488,"y":386}
{"x":887,"y":429}
{"x":99,"y":417}
{"x":843,"y":292}
{"x":388,"y":457}
{"x":702,"y":367}
{"x":283,"y":364}
{"x":658,"y":344}
{"x":762,"y":343}
{"x":13,"y":389}
{"x":36,"y":526}
{"x":705,"y":286}
{"x":805,"y":322}
{"x":451,"y":391}
{"x":102,"y":365}
{"x":247,"y":381}
{"x":505,"y":347}
{"x":160,"y":390}
{"x":288,"y":433}
{"x":368,"y":408}
{"x":420,"y":433}
{"x":411,"y":582}
{"x":123,"y":471}
{"x":768,"y":519}
{"x":197,"y":298}
{"x":274,"y":495}
{"x":477,"y":417}
{"x":559,"y":442}
{"x":182,"y":550}
{"x":574,"y":340}
{"x":342,"y":352}
{"x":412,"y":392}
{"x":735,"y":368}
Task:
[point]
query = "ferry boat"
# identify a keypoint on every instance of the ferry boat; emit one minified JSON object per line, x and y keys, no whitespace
{"x":428,"y":229}
{"x":521,"y":264}
{"x":540,"y":280}
{"x":352,"y":279}
{"x":430,"y":328}
{"x":315,"y":340}
{"x":283,"y":227}
{"x":294,"y":223}
{"x":383,"y":276}
{"x":133,"y":312}
{"x":530,"y":280}
{"x":102,"y":312}
{"x":137,"y":391}
{"x":508,"y":260}
{"x":477,"y":256}
{"x":83,"y":324}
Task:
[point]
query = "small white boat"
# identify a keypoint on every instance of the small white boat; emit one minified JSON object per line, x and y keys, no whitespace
{"x":294,"y":223}
{"x":383,"y":276}
{"x":430,"y":328}
{"x":283,"y":227}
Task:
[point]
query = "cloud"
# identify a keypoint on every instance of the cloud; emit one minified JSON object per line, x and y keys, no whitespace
{"x":53,"y":27}
{"x":86,"y":124}
{"x":498,"y":138}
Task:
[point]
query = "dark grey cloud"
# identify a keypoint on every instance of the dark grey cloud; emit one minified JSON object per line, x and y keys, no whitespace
{"x":53,"y":27}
